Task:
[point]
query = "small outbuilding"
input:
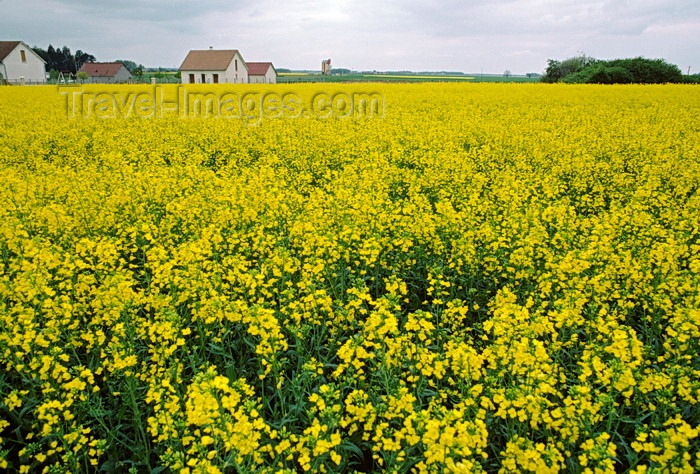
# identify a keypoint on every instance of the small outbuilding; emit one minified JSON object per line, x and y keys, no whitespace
{"x":262,"y":73}
{"x":214,"y":66}
{"x":106,"y":73}
{"x":19,"y":64}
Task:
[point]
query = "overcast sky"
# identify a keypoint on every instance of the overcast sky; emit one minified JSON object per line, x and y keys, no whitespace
{"x":465,"y":36}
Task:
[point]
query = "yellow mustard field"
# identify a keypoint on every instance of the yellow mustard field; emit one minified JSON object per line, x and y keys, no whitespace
{"x":475,"y":278}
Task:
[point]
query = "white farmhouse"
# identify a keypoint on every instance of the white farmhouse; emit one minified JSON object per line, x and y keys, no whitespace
{"x":106,"y":73}
{"x":19,"y":64}
{"x":214,"y":66}
{"x":262,"y":73}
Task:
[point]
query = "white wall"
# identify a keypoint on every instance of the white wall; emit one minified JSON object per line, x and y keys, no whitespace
{"x":269,"y":78}
{"x":208,"y":77}
{"x":122,"y":75}
{"x":32,"y":69}
{"x":225,"y":77}
{"x":239,"y":76}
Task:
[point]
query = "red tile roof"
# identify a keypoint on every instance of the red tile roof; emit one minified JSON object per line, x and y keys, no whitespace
{"x":100,"y":69}
{"x":209,"y":60}
{"x":258,"y":69}
{"x":6,"y":47}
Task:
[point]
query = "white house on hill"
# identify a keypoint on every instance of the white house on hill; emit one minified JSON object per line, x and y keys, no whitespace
{"x":262,"y":73}
{"x":19,"y":64}
{"x":214,"y":66}
{"x":106,"y":73}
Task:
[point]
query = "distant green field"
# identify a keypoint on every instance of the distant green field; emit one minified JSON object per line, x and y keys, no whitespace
{"x":286,"y":78}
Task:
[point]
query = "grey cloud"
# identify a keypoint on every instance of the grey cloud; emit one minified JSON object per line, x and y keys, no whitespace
{"x":385,"y":34}
{"x":179,"y":11}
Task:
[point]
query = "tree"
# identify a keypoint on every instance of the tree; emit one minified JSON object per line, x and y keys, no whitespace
{"x":82,"y":75}
{"x":506,"y":73}
{"x":648,"y":71}
{"x":625,"y":71}
{"x":51,"y":62}
{"x":67,"y":60}
{"x":61,"y":59}
{"x":137,"y":72}
{"x":558,"y":70}
{"x":130,"y":65}
{"x":599,"y":74}
{"x":82,"y":58}
{"x":611,"y":75}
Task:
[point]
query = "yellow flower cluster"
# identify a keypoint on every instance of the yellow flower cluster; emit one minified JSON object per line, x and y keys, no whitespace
{"x":488,"y":278}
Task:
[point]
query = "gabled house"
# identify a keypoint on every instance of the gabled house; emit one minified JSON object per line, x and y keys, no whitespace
{"x":105,"y":73}
{"x":214,"y":66}
{"x":19,"y":64}
{"x":262,"y":73}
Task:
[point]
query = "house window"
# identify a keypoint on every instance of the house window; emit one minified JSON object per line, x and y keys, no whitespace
{"x":204,"y":79}
{"x":236,"y":64}
{"x":24,"y":56}
{"x":191,"y":78}
{"x":216,"y":79}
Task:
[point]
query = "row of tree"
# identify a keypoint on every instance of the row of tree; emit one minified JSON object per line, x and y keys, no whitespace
{"x":61,"y":59}
{"x":587,"y":70}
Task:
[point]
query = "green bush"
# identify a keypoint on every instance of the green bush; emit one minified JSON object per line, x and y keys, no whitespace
{"x":580,"y":77}
{"x":648,"y":71}
{"x":586,"y":70}
{"x":611,"y":75}
{"x":686,"y":79}
{"x":558,"y":70}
